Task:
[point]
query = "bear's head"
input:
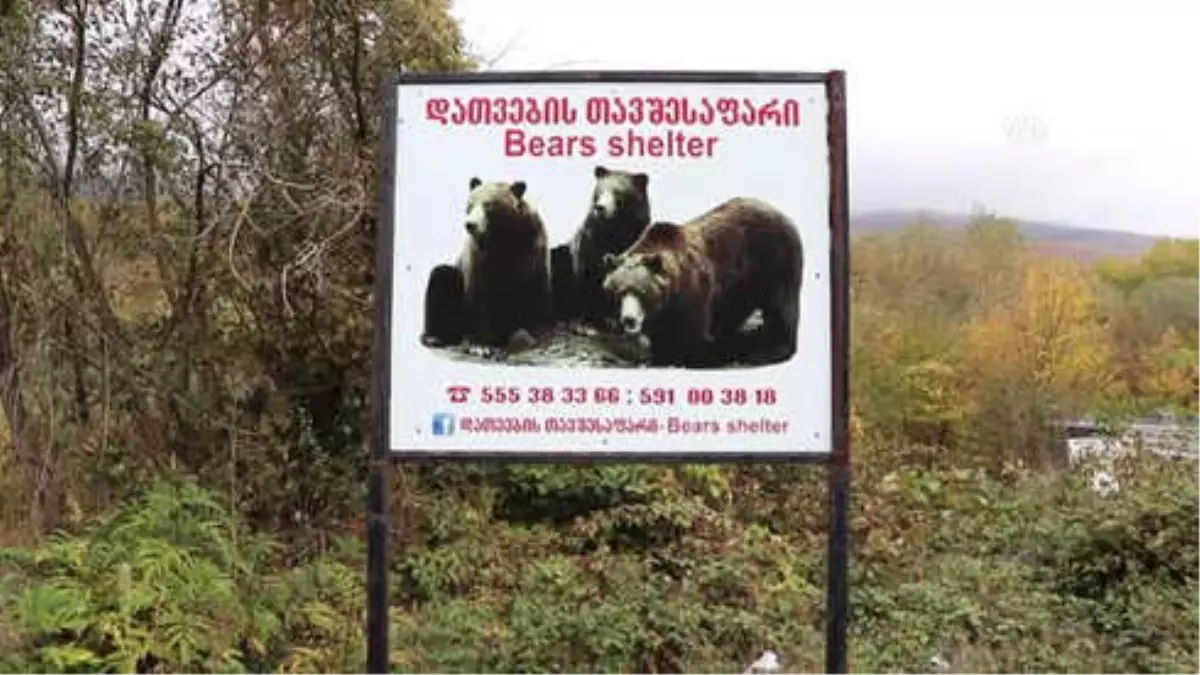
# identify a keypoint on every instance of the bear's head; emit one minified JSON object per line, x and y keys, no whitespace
{"x":498,"y":210}
{"x":643,"y":278}
{"x":620,"y":195}
{"x":640,"y":285}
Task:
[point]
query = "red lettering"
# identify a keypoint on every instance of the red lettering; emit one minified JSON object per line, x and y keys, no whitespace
{"x":500,"y":395}
{"x":733,"y":397}
{"x":436,"y":110}
{"x":608,"y":395}
{"x":762,"y":426}
{"x":676,"y":425}
{"x":517,"y":143}
{"x":514,"y":143}
{"x":673,"y":111}
{"x":657,"y":396}
{"x":613,"y":110}
{"x":574,"y":395}
{"x":666,"y":144}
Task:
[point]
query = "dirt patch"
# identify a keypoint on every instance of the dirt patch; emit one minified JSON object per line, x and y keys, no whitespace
{"x":568,"y":346}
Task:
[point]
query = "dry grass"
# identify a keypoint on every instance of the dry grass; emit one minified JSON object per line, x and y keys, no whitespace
{"x":14,"y":512}
{"x":136,"y":289}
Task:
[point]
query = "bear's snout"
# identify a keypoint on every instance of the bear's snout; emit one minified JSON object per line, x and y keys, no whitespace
{"x":476,"y":221}
{"x":604,"y":207}
{"x":632,"y":315}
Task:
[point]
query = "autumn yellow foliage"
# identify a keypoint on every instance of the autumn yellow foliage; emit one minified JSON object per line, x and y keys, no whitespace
{"x":1050,"y":335}
{"x":973,"y":342}
{"x":1172,"y":371}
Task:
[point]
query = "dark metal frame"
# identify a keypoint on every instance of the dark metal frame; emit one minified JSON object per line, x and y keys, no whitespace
{"x":837,"y":461}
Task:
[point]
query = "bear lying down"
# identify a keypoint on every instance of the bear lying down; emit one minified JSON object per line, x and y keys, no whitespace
{"x":689,"y":288}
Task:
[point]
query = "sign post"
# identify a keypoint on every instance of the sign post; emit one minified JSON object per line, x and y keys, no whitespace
{"x":612,"y":266}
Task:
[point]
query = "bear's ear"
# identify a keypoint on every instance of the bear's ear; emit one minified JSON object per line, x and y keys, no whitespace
{"x":518,"y":189}
{"x":641,"y":181}
{"x":475,"y":182}
{"x":601,"y":171}
{"x":654,"y":263}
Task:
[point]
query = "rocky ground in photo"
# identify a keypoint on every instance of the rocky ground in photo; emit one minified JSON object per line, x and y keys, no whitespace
{"x":568,"y":346}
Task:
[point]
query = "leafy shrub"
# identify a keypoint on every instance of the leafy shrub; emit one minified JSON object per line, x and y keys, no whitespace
{"x":676,"y":573}
{"x":1047,"y":576}
{"x":173,"y":582}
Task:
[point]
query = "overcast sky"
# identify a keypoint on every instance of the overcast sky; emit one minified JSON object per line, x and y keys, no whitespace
{"x":1086,"y":117}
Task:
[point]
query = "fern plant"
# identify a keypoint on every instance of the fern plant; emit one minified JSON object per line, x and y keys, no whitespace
{"x":153,"y":586}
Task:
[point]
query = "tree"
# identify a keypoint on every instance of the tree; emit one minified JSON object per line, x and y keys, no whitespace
{"x":1172,"y":374}
{"x":933,"y":405}
{"x":1167,"y":258}
{"x":1145,"y":299}
{"x":216,"y":162}
{"x":1042,"y":357}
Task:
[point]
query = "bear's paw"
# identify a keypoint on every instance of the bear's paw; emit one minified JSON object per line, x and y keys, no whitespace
{"x":583,"y":329}
{"x":521,"y":340}
{"x":485,"y":352}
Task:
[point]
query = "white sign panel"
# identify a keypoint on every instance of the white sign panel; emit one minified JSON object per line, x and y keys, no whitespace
{"x":592,"y":268}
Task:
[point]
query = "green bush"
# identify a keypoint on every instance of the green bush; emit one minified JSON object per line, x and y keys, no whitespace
{"x":172,"y":582}
{"x":1048,"y":576}
{"x":670,"y":572}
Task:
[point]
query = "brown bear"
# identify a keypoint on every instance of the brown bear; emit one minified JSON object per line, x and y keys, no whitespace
{"x":498,"y":291}
{"x":690,"y":288}
{"x":618,"y":213}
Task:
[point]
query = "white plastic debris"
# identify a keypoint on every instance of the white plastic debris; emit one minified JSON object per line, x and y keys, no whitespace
{"x":767,"y":662}
{"x":1104,"y":483}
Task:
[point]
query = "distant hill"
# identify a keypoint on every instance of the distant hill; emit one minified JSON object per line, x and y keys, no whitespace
{"x":1075,"y":242}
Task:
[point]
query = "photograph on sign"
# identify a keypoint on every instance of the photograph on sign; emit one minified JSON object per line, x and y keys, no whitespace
{"x":638,"y":267}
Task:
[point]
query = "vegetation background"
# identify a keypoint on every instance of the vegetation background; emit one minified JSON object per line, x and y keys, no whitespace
{"x":186,"y":225}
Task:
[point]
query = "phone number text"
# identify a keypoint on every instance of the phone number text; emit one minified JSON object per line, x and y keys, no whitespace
{"x":694,"y":396}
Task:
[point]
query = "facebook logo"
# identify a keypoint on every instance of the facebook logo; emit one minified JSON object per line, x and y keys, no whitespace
{"x":443,"y":424}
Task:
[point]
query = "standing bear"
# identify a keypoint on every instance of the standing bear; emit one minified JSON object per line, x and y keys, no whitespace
{"x":619,"y":211}
{"x":690,"y":288}
{"x":498,"y":292}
